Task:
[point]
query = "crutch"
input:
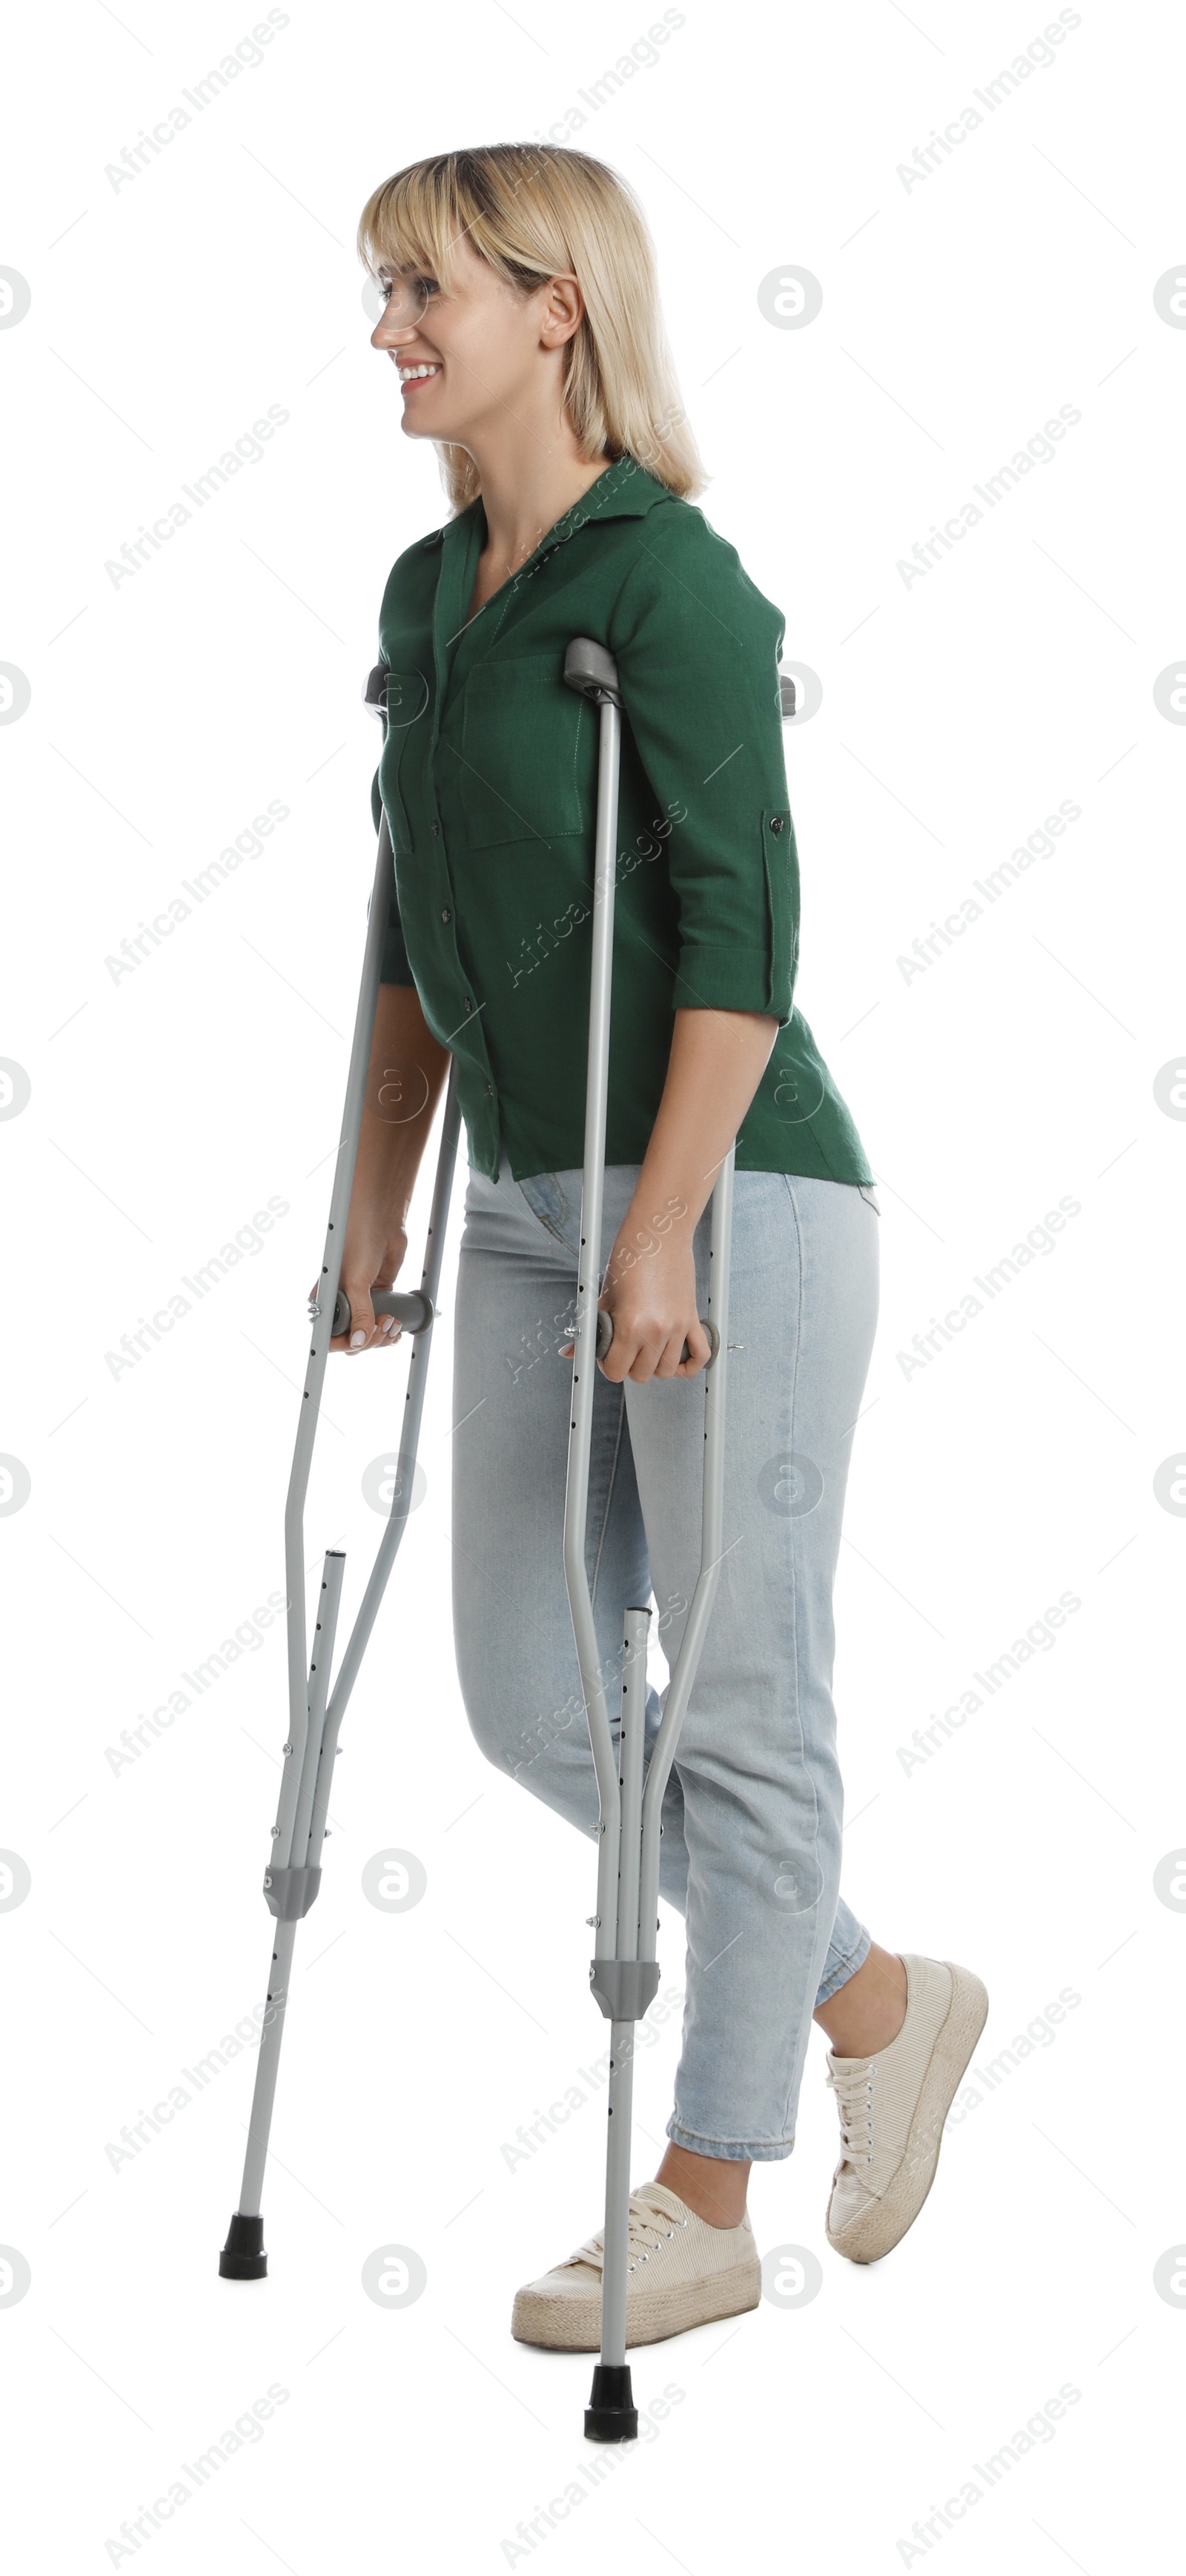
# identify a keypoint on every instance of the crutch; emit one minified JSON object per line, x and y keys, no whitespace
{"x":624,"y":1974}
{"x":293,"y":1875}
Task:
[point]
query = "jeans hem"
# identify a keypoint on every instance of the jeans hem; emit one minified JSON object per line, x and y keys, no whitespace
{"x":856,"y":1959}
{"x":755,"y":2151}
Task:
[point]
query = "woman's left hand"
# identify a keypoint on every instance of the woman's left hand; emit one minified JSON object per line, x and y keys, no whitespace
{"x":652,"y":1298}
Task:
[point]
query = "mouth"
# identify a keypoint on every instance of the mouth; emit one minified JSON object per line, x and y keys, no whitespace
{"x":421,"y":373}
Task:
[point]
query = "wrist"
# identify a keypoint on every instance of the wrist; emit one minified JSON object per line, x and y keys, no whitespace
{"x":655,"y":1222}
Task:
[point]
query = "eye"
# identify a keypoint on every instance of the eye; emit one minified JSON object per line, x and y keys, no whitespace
{"x":408,"y":289}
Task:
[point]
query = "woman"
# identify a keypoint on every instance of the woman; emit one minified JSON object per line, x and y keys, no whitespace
{"x":521,"y":310}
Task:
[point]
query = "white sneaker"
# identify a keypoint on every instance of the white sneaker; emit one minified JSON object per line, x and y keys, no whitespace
{"x":682,"y":2273}
{"x":893,"y":2105}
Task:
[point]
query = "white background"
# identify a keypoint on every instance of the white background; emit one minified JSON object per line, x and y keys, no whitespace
{"x":959,"y":314}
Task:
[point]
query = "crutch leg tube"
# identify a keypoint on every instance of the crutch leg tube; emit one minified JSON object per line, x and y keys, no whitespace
{"x":624,"y":1974}
{"x":315,"y":1711}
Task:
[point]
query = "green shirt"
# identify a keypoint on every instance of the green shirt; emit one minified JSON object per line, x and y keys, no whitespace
{"x":488,"y":777}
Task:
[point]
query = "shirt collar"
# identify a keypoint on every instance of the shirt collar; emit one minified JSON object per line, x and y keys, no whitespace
{"x":624,"y":491}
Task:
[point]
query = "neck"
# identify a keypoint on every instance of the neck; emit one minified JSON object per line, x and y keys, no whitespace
{"x":527,"y":486}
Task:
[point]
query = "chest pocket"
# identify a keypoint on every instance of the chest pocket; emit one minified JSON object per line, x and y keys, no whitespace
{"x":526,"y":769}
{"x":407,"y":704}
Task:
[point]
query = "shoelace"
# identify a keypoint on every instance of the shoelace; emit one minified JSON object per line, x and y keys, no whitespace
{"x":645,"y":2234}
{"x":854,"y":2101}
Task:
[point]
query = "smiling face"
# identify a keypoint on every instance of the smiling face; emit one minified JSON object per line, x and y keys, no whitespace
{"x":479,"y":356}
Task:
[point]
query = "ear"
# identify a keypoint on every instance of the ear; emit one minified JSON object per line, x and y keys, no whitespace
{"x":563,"y":312}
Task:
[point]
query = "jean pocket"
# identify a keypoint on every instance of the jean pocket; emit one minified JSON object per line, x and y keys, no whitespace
{"x":548,"y":1203}
{"x":867,"y":1195}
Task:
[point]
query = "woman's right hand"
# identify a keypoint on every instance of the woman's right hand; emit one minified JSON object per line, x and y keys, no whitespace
{"x":404,"y":1080}
{"x":374,"y":1252}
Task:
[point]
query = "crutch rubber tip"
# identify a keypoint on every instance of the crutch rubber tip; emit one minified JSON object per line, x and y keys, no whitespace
{"x":243,"y":2257}
{"x":611,"y":2415}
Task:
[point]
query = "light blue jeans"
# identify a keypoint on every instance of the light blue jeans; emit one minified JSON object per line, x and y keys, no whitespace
{"x":752,"y":1812}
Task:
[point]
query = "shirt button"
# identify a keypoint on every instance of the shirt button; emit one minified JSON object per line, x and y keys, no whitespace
{"x":490,"y":1089}
{"x":467,"y":1002}
{"x":446,"y":914}
{"x":776,"y":822}
{"x":435,"y":829}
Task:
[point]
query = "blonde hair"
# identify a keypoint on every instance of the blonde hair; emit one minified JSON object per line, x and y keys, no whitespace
{"x":533,"y":211}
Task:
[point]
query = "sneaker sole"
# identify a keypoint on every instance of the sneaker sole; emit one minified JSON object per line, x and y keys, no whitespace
{"x":881,"y":2227}
{"x":574,"y":2325}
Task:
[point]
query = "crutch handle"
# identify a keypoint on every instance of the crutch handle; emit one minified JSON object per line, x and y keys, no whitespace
{"x":411,"y":1306}
{"x":605,"y":1335}
{"x":591,"y":670}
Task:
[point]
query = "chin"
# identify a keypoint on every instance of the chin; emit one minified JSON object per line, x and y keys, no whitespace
{"x":416,"y":429}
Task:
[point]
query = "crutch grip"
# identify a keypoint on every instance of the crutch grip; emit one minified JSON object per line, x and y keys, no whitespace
{"x":592,"y":671}
{"x":411,"y":1307}
{"x":605,"y":1334}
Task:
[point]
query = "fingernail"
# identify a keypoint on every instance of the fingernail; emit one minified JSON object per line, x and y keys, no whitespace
{"x":357,"y":1340}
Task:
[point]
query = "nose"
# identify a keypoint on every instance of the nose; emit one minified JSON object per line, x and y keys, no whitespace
{"x":392,"y":335}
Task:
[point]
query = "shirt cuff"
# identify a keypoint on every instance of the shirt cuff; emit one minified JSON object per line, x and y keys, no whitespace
{"x":728,"y":979}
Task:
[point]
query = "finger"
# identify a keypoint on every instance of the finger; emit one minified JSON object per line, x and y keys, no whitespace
{"x":650,"y":1348}
{"x":669,"y":1351}
{"x":611,"y":1365}
{"x":623,"y":1351}
{"x":362,"y":1317}
{"x":670,"y":1362}
{"x":699,"y":1349}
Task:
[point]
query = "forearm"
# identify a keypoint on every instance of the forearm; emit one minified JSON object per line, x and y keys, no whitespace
{"x":717,"y":1061}
{"x":404,"y":1078}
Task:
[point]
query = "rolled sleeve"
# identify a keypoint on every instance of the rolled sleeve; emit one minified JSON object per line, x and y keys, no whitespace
{"x":697,"y":647}
{"x":395,"y":968}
